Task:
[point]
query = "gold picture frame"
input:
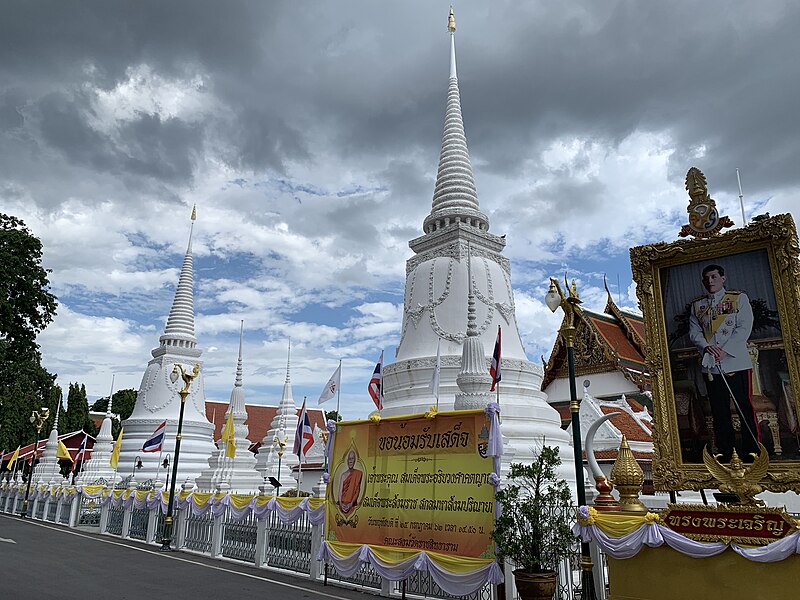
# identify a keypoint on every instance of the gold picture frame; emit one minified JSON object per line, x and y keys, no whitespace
{"x":763,"y":256}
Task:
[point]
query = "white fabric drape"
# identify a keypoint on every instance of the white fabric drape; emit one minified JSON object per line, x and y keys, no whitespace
{"x":655,"y":534}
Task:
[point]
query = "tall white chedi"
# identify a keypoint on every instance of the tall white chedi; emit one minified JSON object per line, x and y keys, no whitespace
{"x":157,"y":399}
{"x":438,"y":283}
{"x":47,"y":469}
{"x":283,"y":427}
{"x":237,"y":473}
{"x":98,"y":467}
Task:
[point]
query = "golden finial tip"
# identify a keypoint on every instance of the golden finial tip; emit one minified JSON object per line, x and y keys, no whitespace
{"x":451,"y":21}
{"x":194,"y":212}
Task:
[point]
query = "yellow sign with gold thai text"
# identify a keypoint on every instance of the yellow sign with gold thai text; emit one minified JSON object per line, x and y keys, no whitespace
{"x":413,"y":482}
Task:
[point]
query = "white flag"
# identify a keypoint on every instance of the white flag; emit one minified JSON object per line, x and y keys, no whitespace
{"x":437,"y":371}
{"x":332,"y":385}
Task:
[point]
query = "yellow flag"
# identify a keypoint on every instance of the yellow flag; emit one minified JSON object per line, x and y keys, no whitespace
{"x":228,"y":437}
{"x":62,"y":451}
{"x":115,"y":452}
{"x":14,"y":458}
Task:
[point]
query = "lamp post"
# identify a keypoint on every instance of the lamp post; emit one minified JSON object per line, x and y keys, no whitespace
{"x":188,"y":377}
{"x":137,"y":464}
{"x":165,"y":465}
{"x":37,"y":419}
{"x":280,"y":440}
{"x":570,"y":304}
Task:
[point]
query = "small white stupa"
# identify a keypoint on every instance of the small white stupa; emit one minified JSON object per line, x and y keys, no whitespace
{"x":98,"y":468}
{"x":283,"y":427}
{"x":157,"y":399}
{"x":237,"y":474}
{"x":47,"y":470}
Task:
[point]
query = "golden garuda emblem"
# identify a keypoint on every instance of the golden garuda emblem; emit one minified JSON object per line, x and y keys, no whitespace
{"x":737,"y":478}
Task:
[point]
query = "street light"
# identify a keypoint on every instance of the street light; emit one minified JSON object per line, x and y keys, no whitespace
{"x":165,"y":465}
{"x":37,"y":419}
{"x":188,"y":377}
{"x":570,"y":304}
{"x":280,"y":440}
{"x":137,"y":464}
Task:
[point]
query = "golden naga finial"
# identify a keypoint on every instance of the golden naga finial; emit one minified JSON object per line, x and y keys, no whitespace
{"x":737,"y":478}
{"x":194,"y":212}
{"x":451,"y":21}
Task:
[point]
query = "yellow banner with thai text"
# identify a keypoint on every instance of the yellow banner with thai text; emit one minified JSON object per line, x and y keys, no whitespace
{"x":413,"y":482}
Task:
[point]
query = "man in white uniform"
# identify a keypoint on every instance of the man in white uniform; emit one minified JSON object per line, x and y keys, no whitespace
{"x":719,"y":325}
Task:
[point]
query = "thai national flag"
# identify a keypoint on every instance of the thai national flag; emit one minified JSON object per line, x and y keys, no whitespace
{"x":156,"y":441}
{"x":81,"y":455}
{"x":494,"y":368}
{"x":304,"y":436}
{"x":375,"y":386}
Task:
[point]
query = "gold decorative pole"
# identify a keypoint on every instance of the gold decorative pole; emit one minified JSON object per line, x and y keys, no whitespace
{"x":188,"y":377}
{"x":37,"y":419}
{"x":570,"y":304}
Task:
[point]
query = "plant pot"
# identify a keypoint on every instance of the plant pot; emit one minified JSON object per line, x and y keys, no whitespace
{"x":535,"y":586}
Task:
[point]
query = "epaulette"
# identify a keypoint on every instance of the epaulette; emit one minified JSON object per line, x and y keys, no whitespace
{"x":699,"y":298}
{"x":733,"y":292}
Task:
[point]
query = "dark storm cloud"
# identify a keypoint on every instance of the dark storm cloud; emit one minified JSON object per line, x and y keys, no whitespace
{"x":300,"y":82}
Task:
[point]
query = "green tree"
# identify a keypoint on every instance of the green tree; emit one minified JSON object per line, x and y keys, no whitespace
{"x":77,"y":414}
{"x":26,"y":304}
{"x":123,"y":404}
{"x":332,"y":414}
{"x":26,"y":308}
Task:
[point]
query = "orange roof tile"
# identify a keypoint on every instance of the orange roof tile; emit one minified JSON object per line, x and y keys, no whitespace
{"x":259,"y":419}
{"x":616,"y":338}
{"x":627,"y":425}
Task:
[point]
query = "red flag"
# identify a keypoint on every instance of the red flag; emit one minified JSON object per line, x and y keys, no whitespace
{"x":375,"y":386}
{"x":304,"y":436}
{"x":494,"y":368}
{"x":81,"y":455}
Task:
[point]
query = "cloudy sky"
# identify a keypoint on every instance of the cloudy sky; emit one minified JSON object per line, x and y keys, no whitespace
{"x":308,"y":133}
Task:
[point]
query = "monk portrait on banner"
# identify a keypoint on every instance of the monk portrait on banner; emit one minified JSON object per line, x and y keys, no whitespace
{"x":350,"y":485}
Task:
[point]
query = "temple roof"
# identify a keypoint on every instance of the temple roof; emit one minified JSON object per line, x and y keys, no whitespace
{"x":607,"y":341}
{"x":259,"y":418}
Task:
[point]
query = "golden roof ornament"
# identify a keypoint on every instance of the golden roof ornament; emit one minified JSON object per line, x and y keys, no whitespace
{"x":738,"y":479}
{"x":194,"y":212}
{"x":451,"y":21}
{"x":704,"y":219}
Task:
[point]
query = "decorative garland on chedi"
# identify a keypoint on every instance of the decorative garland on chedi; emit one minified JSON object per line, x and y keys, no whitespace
{"x":623,"y":536}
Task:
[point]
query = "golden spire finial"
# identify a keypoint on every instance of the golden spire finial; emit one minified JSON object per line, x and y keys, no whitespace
{"x":194,"y":212}
{"x":451,"y":21}
{"x":628,"y":478}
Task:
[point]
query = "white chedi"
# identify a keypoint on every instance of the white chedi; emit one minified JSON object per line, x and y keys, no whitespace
{"x":438,"y":282}
{"x":275,"y":457}
{"x":48,"y":469}
{"x":98,"y":469}
{"x":238,"y":473}
{"x":158,"y":400}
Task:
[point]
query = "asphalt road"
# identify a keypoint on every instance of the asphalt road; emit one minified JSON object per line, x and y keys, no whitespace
{"x":41,"y":561}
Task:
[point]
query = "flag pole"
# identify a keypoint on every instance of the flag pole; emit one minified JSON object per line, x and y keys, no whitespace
{"x":339,"y":390}
{"x":300,"y":446}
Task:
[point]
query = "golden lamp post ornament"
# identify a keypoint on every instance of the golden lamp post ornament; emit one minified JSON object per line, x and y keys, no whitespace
{"x":704,"y":219}
{"x":37,"y":419}
{"x":188,"y":377}
{"x":279,"y":441}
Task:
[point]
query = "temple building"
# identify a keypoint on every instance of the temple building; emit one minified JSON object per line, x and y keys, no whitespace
{"x":455,"y":258}
{"x":158,"y":400}
{"x":609,"y":360}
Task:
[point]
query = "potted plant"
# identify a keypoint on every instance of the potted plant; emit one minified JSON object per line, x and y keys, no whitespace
{"x":533,"y":529}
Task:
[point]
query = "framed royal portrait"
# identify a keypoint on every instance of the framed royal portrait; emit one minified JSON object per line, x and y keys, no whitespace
{"x":722,"y":316}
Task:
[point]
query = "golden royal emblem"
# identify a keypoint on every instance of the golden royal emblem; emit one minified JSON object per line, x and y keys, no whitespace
{"x":704,"y":219}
